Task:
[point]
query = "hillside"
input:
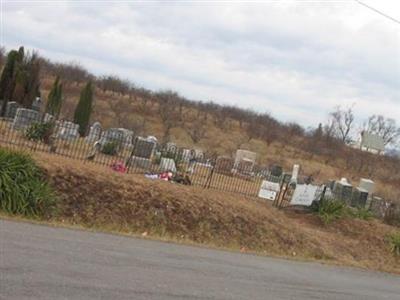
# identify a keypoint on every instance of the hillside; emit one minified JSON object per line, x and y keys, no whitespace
{"x":95,"y":197}
{"x":190,"y":125}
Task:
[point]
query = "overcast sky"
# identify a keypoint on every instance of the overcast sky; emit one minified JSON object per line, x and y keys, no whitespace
{"x":296,"y":60}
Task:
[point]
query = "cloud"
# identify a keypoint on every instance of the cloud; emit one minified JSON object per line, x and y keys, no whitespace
{"x":295,"y":60}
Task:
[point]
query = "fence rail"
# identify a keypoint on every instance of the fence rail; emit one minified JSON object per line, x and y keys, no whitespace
{"x":120,"y":149}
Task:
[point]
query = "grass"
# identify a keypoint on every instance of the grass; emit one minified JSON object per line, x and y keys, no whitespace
{"x":22,"y":187}
{"x":394,"y":241}
{"x":329,"y":210}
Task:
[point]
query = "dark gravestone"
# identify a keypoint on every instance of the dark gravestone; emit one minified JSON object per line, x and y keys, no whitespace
{"x":276,"y":171}
{"x":11,"y":109}
{"x":343,"y":192}
{"x":143,"y":148}
{"x":359,"y":197}
{"x":224,"y":165}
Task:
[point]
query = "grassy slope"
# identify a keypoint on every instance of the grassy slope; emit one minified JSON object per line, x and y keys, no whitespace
{"x":95,"y":197}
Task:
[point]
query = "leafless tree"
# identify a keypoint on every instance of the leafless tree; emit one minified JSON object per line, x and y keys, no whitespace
{"x":196,"y":130}
{"x":342,"y":122}
{"x":384,"y":127}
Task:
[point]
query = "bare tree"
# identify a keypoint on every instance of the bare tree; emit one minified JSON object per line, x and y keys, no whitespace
{"x":341,"y":123}
{"x":197,"y":130}
{"x":384,"y":127}
{"x":167,"y":110}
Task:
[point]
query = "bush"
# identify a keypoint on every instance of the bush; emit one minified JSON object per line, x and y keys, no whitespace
{"x":39,"y":132}
{"x":330,"y":209}
{"x":394,"y":240}
{"x":22,"y":188}
{"x":110,"y":148}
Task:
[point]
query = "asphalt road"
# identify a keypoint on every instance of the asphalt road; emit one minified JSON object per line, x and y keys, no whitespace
{"x":39,"y":262}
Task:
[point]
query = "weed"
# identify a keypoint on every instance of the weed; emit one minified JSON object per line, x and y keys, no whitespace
{"x":329,"y":210}
{"x":110,"y":148}
{"x":361,"y":213}
{"x":394,"y":240}
{"x":22,"y":189}
{"x":39,"y":132}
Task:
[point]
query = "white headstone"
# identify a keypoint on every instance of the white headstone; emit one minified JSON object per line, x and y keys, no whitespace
{"x":268,"y":190}
{"x":304,"y":194}
{"x":94,"y":133}
{"x":367,"y":184}
{"x":68,"y":131}
{"x":245,"y":155}
{"x":167,"y":164}
{"x":295,"y":173}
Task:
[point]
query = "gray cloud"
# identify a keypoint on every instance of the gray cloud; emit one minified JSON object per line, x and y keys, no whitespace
{"x":296,"y":61}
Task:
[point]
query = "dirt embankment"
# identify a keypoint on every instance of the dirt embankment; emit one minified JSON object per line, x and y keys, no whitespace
{"x":96,"y":197}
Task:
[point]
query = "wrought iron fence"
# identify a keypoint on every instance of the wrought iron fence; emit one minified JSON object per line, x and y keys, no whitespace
{"x":119,"y":149}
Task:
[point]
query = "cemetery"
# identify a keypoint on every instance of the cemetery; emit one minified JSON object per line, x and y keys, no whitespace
{"x":240,"y":174}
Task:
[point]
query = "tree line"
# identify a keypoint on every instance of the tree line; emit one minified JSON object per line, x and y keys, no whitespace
{"x":339,"y":127}
{"x":20,"y":82}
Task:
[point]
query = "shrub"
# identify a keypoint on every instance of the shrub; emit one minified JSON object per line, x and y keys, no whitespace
{"x":394,"y":240}
{"x":39,"y":132}
{"x":330,"y":209}
{"x":22,"y":188}
{"x":110,"y":148}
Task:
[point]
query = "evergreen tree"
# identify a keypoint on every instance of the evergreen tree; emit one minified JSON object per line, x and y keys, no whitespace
{"x":84,"y":108}
{"x":26,"y":79}
{"x":54,"y":101}
{"x":7,"y":79}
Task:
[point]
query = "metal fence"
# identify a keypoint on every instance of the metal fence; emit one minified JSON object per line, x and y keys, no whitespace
{"x":121,"y":150}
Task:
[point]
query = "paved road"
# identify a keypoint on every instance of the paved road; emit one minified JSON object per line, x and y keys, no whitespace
{"x":39,"y":262}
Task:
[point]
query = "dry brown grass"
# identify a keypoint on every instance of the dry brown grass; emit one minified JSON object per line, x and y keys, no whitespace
{"x":96,"y":197}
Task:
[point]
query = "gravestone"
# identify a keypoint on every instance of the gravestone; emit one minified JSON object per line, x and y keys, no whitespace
{"x":127,"y":137}
{"x":94,"y":133}
{"x":269,"y":190}
{"x":245,"y":155}
{"x":295,"y":173}
{"x":68,"y":131}
{"x":143,"y":147}
{"x":171,"y":147}
{"x":198,"y":154}
{"x":343,"y":190}
{"x":11,"y":109}
{"x":167,"y":164}
{"x":48,"y":118}
{"x":114,"y":136}
{"x":276,"y":171}
{"x":138,"y":162}
{"x":186,"y":155}
{"x":304,"y":194}
{"x":37,"y":104}
{"x":24,"y":118}
{"x":359,"y":197}
{"x":367,"y":184}
{"x":224,"y":165}
{"x":378,"y":207}
{"x":152,"y":138}
{"x":245,"y":166}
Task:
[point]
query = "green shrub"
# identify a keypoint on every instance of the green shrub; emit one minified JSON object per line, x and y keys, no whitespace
{"x":330,"y":209}
{"x":39,"y":132}
{"x":394,"y":240}
{"x":22,"y":188}
{"x":110,"y":148}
